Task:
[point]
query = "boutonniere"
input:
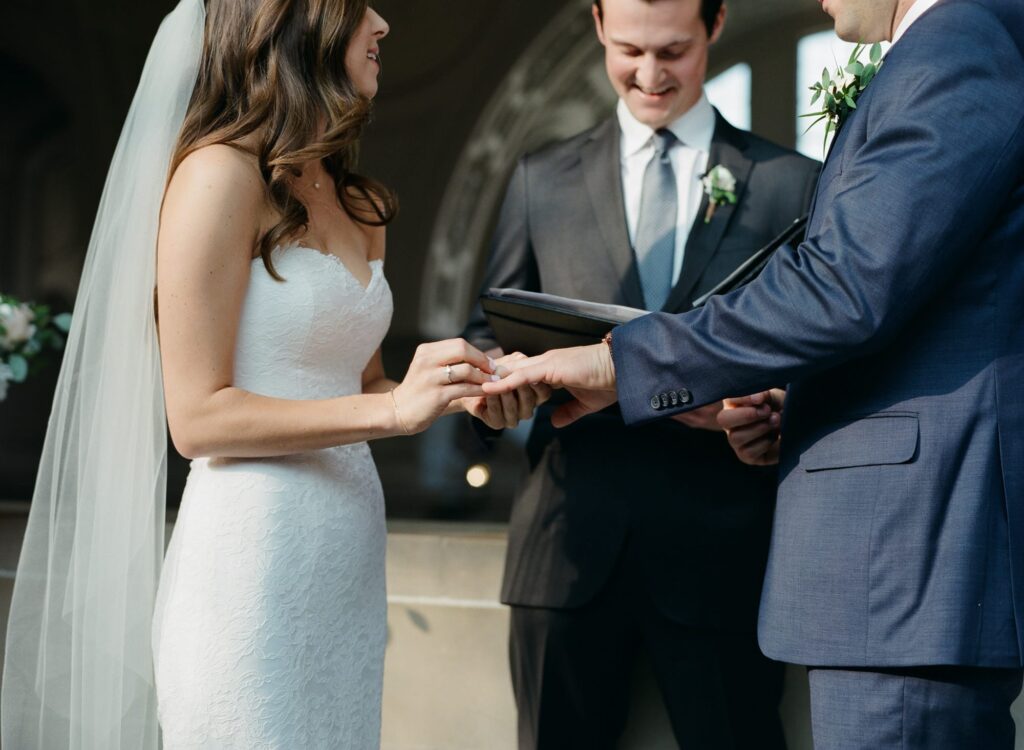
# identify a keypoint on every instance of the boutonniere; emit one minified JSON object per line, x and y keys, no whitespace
{"x":839,"y":92}
{"x":720,"y":187}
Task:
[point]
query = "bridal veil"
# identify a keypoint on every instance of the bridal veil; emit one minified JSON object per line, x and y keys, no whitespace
{"x":78,"y":670}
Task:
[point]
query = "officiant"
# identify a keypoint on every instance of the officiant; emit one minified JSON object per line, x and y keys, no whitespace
{"x":651,"y":540}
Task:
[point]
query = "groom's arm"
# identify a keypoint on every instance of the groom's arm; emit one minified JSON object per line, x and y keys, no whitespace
{"x":944,"y":151}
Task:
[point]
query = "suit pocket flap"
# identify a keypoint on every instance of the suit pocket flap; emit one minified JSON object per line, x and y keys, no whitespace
{"x":873,"y":441}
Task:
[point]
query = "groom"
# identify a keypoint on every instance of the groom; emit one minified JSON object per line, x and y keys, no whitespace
{"x":897,"y":563}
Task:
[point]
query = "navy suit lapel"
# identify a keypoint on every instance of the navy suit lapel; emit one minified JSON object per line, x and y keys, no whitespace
{"x":727,"y":148}
{"x":601,"y":171}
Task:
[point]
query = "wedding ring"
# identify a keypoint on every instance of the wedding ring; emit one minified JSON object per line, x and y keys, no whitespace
{"x":448,"y":373}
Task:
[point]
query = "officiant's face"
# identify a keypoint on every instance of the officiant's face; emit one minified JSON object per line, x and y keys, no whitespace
{"x":864,"y":21}
{"x":656,"y":54}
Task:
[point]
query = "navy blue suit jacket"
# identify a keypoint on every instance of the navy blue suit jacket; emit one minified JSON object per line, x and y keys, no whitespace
{"x":899,"y":323}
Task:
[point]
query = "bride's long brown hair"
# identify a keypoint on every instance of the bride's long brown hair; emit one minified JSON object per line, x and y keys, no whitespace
{"x":273,"y":73}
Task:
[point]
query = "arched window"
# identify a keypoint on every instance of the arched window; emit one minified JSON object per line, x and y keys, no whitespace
{"x":729,"y":91}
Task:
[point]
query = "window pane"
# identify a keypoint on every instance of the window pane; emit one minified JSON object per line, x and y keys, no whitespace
{"x":729,"y":91}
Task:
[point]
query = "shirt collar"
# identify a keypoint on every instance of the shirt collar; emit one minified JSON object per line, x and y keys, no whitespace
{"x":695,"y":128}
{"x":916,"y":11}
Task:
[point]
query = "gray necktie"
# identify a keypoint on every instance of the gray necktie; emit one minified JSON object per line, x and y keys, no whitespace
{"x":656,"y":228}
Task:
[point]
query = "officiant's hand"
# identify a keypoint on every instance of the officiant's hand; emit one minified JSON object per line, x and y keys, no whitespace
{"x":440,"y":374}
{"x":752,"y":425}
{"x":587,"y":372}
{"x":506,"y":411}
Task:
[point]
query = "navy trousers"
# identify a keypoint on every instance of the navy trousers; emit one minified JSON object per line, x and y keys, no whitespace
{"x":913,"y":708}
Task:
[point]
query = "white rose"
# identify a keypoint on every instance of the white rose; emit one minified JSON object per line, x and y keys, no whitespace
{"x":723,"y":179}
{"x":17,"y":322}
{"x":5,"y":376}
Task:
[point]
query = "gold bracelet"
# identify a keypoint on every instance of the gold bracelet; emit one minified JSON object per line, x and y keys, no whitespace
{"x":398,"y":414}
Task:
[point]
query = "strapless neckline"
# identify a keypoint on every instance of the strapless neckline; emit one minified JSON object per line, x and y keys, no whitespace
{"x":376,"y":265}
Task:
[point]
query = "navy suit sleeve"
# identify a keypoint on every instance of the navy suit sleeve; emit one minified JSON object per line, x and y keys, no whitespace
{"x":511,"y":262}
{"x":942,"y":152}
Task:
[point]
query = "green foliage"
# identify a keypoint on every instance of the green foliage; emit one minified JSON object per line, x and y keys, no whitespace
{"x":36,"y":335}
{"x":838,"y":92}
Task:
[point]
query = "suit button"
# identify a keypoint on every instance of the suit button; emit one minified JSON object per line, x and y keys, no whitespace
{"x":673,"y":398}
{"x":655,"y":403}
{"x":664,"y":400}
{"x":685,"y":397}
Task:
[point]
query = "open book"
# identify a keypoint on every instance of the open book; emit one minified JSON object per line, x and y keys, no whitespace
{"x":533,"y":322}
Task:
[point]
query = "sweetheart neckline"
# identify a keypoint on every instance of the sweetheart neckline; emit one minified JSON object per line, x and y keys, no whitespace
{"x":375,"y":265}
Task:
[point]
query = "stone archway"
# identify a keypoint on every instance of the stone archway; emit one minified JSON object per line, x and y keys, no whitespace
{"x":555,"y":89}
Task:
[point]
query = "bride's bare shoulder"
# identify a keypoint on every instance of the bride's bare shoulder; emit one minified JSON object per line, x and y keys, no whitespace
{"x":216,"y":196}
{"x":219,"y":175}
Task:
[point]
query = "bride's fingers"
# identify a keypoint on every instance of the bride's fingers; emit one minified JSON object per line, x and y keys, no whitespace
{"x":457,"y":351}
{"x":463,"y":373}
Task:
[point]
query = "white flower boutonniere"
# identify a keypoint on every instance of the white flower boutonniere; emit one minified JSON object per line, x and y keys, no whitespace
{"x":839,"y":92}
{"x":720,"y":187}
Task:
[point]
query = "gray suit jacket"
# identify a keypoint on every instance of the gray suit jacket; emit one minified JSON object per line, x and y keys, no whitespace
{"x":700,"y":518}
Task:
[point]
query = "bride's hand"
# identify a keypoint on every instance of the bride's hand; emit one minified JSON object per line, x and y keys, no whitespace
{"x":440,"y":373}
{"x":506,"y":411}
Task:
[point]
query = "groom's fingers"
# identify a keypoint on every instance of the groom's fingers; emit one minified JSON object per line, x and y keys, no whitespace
{"x":568,"y":413}
{"x":523,"y":373}
{"x":746,"y":432}
{"x":734,"y":417}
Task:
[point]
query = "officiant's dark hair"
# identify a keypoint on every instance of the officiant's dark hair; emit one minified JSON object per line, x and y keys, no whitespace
{"x":273,"y":73}
{"x":708,"y":12}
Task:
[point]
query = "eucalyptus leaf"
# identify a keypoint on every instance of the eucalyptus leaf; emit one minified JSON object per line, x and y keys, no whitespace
{"x":63,"y":322}
{"x":19,"y":368}
{"x":876,"y":52}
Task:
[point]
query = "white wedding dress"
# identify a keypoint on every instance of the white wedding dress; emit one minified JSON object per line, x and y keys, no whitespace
{"x":270,"y":622}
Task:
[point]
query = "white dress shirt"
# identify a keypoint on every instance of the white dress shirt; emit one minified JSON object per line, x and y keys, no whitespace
{"x":915,"y":12}
{"x":689,"y":156}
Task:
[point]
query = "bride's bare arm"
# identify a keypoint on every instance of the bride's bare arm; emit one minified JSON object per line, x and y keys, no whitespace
{"x":211,"y":217}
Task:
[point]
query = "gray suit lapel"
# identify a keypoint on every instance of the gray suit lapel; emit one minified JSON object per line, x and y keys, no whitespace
{"x":727,"y":148}
{"x":601,"y":159}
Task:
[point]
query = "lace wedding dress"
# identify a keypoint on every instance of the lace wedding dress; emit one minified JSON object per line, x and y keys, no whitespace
{"x":270,"y":621}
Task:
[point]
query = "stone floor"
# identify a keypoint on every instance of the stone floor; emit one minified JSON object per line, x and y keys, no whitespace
{"x":446,"y":676}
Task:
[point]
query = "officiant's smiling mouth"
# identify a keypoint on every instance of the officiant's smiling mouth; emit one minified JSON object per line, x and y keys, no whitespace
{"x":655,"y":95}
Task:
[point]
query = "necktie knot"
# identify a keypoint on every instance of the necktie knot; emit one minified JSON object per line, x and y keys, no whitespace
{"x":664,"y":139}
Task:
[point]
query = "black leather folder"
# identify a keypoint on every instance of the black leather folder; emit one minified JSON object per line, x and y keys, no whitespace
{"x":533,"y":322}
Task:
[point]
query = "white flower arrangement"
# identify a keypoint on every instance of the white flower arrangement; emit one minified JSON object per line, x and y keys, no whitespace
{"x":720,"y":187}
{"x":27,"y":333}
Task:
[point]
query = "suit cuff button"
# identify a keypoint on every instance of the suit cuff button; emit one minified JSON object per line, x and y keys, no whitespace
{"x":656,"y":403}
{"x":685,"y":397}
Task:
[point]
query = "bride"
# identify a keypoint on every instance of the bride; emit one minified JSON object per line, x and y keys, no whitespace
{"x":269,"y":623}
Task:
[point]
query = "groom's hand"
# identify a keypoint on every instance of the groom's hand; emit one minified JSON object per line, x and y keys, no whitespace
{"x":752,"y":425}
{"x":587,"y":372}
{"x":506,"y":411}
{"x":704,"y":418}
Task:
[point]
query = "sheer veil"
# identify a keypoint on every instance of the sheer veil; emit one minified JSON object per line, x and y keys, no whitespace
{"x":78,"y":670}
